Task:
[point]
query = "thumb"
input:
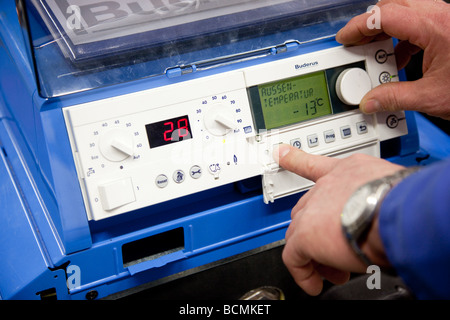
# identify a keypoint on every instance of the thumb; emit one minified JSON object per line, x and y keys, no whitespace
{"x":394,"y":96}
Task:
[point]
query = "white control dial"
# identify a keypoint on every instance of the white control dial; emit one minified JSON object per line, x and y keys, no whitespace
{"x":352,"y":85}
{"x":116,"y":145}
{"x":219,"y":120}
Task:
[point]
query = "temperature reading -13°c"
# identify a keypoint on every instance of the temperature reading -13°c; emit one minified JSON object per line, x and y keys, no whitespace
{"x":294,"y":100}
{"x":311,"y":107}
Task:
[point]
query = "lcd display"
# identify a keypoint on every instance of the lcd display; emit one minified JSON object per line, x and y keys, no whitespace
{"x":168,"y":131}
{"x":294,"y":100}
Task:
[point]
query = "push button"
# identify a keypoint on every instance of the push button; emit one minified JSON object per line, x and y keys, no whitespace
{"x":392,"y":121}
{"x":313,"y":140}
{"x":195,"y":172}
{"x":296,"y":143}
{"x":346,"y":132}
{"x":329,"y":136}
{"x":179,"y":176}
{"x":116,"y":194}
{"x":161,"y":181}
{"x":361,"y":127}
{"x":385,"y":77}
{"x":381,"y":56}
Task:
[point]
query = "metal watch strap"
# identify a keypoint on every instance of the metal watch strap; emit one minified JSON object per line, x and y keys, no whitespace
{"x":391,"y":180}
{"x":357,"y":249}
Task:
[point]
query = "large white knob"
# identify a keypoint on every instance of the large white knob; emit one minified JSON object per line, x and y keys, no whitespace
{"x":219,"y":120}
{"x":352,"y":85}
{"x":116,"y":145}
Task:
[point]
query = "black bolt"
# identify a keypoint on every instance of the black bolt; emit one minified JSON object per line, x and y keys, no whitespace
{"x":91,"y":295}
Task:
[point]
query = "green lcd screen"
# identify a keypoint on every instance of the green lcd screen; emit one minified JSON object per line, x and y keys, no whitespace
{"x":294,"y":100}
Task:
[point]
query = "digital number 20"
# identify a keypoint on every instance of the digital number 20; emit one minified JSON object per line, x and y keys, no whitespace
{"x":182,"y":127}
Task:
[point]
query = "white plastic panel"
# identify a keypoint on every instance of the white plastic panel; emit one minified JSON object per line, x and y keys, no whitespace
{"x":112,"y":144}
{"x":218,"y":143}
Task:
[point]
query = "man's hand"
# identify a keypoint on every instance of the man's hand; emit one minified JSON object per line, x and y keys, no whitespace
{"x":315,"y":244}
{"x":419,"y":25}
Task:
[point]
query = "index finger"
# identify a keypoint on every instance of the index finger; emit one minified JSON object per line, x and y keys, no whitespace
{"x":309,"y":166}
{"x":396,"y":19}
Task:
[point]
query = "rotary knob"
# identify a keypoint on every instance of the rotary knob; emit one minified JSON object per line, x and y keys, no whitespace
{"x":219,"y":120}
{"x":352,"y":85}
{"x":116,"y":145}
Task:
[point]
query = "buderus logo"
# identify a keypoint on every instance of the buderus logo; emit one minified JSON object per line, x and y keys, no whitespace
{"x":306,"y":65}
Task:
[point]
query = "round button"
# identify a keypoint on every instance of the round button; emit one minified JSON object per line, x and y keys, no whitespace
{"x":116,"y":145}
{"x":381,"y":56}
{"x":385,"y":77}
{"x":352,"y":85}
{"x":392,"y":121}
{"x":195,"y":172}
{"x":178,"y":176}
{"x":161,"y":181}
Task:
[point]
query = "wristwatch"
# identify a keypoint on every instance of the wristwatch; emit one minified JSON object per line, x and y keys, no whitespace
{"x":360,"y":210}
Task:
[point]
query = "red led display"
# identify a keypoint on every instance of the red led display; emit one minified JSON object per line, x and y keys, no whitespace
{"x":168,"y":131}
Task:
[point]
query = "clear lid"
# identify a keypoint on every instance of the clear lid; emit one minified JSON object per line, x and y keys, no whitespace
{"x":84,"y":44}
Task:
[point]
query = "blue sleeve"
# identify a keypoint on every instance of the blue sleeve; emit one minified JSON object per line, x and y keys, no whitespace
{"x":415,"y":230}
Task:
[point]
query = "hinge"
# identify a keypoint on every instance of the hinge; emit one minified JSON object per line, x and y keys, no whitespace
{"x":177,"y":71}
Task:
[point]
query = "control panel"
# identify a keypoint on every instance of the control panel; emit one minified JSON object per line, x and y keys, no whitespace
{"x":156,"y":145}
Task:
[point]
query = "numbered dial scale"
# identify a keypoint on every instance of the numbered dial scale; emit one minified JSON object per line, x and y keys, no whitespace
{"x":156,"y":145}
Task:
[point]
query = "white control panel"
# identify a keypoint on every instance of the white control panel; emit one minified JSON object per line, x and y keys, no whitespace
{"x":156,"y":145}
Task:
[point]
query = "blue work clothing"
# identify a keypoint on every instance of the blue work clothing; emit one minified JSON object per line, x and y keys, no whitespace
{"x":414,"y":224}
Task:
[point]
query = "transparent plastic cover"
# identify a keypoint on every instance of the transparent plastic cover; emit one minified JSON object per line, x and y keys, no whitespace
{"x":84,"y":44}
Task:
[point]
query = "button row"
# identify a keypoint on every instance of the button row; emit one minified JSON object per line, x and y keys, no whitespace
{"x":178,"y":176}
{"x":330,"y":136}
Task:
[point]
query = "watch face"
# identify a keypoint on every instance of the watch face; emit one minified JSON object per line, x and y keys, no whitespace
{"x":356,"y":206}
